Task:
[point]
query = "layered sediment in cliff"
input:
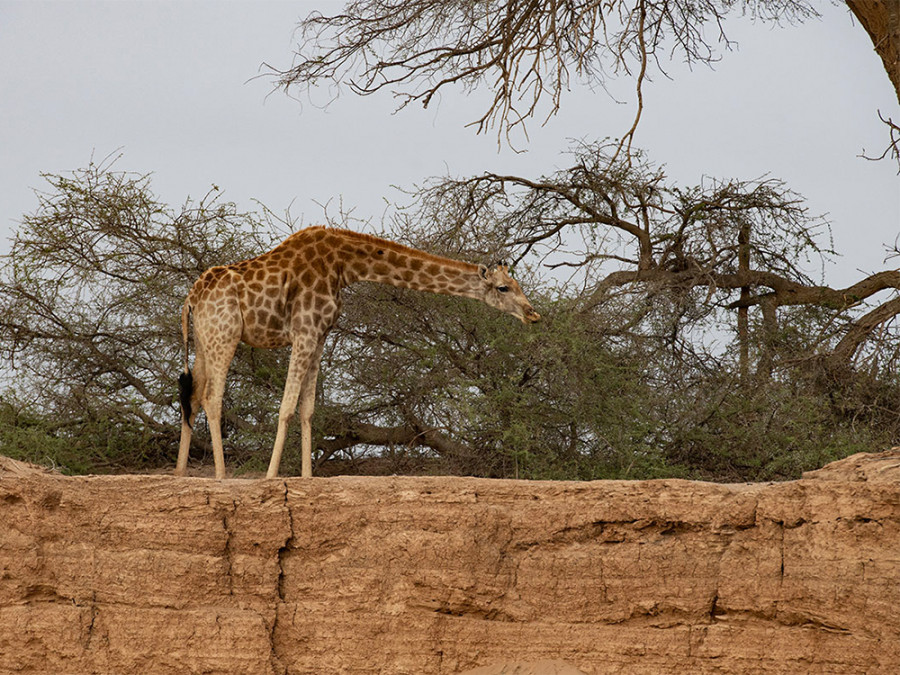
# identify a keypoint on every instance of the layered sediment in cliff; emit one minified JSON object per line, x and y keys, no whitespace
{"x":153,"y":574}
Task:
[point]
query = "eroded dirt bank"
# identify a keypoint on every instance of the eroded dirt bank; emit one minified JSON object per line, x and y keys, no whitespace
{"x":152,"y":574}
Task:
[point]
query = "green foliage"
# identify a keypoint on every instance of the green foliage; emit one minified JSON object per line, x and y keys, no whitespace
{"x":770,"y":432}
{"x":29,"y":437}
{"x":81,"y":445}
{"x":90,"y":305}
{"x":551,"y":400}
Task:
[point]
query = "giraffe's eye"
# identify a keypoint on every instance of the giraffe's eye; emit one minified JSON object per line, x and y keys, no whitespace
{"x":503,"y":289}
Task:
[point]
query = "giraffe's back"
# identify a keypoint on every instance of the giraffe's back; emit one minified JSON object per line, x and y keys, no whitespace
{"x":271,"y":299}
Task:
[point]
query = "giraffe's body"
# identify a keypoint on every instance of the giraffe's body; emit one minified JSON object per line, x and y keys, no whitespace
{"x":292,"y":296}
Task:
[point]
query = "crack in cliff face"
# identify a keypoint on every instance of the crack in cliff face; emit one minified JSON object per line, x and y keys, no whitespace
{"x":280,"y":555}
{"x":714,"y":609}
{"x":781,"y":569}
{"x":286,"y":546}
{"x":228,"y":549}
{"x":93,"y":621}
{"x":605,"y":531}
{"x":616,"y":531}
{"x":472,"y":610}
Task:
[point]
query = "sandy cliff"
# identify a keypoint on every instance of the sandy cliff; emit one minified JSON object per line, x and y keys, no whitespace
{"x":152,"y":574}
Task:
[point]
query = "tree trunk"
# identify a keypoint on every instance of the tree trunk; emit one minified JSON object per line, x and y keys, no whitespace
{"x":743,"y":319}
{"x":881,"y":19}
{"x":767,"y":341}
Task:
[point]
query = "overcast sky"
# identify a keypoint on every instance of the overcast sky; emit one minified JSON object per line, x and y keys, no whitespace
{"x":172,"y":85}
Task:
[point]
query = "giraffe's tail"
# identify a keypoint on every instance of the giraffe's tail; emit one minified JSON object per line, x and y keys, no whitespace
{"x":186,"y":379}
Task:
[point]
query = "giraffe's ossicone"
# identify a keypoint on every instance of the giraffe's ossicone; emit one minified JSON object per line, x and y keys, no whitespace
{"x":292,"y":296}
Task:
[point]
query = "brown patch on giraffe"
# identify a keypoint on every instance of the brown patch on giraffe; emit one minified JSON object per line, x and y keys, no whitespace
{"x":395,"y":259}
{"x":308,"y":300}
{"x":322,"y":288}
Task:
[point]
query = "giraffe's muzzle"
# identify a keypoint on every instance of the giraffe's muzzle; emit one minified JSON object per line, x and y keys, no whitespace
{"x":530,"y":316}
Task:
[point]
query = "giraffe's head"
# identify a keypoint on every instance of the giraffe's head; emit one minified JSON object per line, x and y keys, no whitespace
{"x":503,"y":292}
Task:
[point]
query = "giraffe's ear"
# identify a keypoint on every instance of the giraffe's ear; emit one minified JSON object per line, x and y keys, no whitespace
{"x":483,"y":270}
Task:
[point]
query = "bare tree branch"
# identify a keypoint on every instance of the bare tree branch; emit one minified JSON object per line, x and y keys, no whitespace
{"x":526,"y":51}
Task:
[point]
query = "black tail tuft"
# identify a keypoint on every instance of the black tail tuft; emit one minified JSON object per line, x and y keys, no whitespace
{"x":185,"y":390}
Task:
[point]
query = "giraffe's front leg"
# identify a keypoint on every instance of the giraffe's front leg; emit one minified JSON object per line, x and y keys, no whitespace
{"x":307,"y":407}
{"x":303,"y":353}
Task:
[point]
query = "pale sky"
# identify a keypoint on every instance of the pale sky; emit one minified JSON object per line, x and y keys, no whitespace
{"x":170,"y":85}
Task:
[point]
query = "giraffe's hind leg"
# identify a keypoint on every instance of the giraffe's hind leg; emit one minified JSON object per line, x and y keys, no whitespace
{"x":211,"y":398}
{"x":184,"y":447}
{"x":196,"y":381}
{"x":217,"y":332}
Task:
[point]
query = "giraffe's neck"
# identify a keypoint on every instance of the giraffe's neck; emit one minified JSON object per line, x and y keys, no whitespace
{"x":386,"y":262}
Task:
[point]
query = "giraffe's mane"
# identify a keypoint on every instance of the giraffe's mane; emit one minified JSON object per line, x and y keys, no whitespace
{"x":396,"y":247}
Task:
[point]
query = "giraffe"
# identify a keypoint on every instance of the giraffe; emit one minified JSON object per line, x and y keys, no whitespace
{"x":292,"y":296}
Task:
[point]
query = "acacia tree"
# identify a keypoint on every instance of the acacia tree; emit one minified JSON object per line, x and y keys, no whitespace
{"x":724,"y":245}
{"x":633,"y":372}
{"x":528,"y":52}
{"x":623,"y":377}
{"x":90,"y":298}
{"x":443,"y":382}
